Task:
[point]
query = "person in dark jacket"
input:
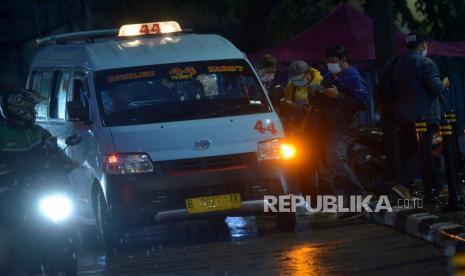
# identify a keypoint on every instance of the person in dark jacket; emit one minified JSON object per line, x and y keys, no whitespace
{"x":344,"y":94}
{"x":410,"y":90}
{"x":266,"y":70}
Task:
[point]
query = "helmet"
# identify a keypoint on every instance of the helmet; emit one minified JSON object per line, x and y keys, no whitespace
{"x":18,"y":106}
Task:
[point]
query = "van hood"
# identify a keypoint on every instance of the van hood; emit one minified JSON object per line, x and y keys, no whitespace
{"x":196,"y":138}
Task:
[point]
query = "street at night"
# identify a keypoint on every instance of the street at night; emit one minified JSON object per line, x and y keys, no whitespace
{"x":232,"y":137}
{"x":322,"y":245}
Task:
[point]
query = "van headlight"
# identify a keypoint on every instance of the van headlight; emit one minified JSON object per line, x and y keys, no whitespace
{"x":56,"y":207}
{"x":276,"y":149}
{"x":131,"y":163}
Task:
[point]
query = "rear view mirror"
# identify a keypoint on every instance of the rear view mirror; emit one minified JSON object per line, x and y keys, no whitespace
{"x":73,"y":140}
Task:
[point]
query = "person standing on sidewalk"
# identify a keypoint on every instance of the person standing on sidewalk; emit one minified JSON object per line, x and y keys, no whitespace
{"x":410,"y":90}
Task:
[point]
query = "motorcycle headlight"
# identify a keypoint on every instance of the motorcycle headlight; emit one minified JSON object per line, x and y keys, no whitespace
{"x":131,"y":163}
{"x":276,"y":149}
{"x":56,"y":207}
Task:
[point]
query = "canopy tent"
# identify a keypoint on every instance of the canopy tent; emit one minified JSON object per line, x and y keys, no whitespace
{"x":353,"y":29}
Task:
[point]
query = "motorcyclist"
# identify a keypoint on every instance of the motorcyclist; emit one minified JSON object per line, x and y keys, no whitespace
{"x":28,"y":154}
{"x":24,"y":144}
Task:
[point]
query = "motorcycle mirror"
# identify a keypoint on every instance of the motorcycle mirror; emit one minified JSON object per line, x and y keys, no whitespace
{"x":73,"y":140}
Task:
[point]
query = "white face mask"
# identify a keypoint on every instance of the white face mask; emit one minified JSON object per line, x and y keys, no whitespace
{"x":424,"y":52}
{"x":334,"y":67}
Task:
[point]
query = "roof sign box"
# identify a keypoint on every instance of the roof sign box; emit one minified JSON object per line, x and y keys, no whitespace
{"x":149,"y":28}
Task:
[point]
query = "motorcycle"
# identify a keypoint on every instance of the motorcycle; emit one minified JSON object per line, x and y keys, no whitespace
{"x":38,"y":229}
{"x":367,"y":158}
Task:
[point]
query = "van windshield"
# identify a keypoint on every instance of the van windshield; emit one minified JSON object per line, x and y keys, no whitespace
{"x":182,"y":91}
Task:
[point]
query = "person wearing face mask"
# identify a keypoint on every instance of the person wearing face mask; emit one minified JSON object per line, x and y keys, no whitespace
{"x":266,"y":70}
{"x":344,"y":96}
{"x":409,"y":90}
{"x":304,"y":81}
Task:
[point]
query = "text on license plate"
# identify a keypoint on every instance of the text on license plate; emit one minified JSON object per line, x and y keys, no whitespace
{"x":213,"y":203}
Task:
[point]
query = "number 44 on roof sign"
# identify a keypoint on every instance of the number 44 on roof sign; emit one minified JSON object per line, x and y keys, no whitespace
{"x":149,"y":28}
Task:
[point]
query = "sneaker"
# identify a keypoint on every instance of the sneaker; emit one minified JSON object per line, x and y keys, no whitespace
{"x":401,"y":191}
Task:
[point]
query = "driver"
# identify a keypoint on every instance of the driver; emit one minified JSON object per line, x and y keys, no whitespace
{"x":22,"y":142}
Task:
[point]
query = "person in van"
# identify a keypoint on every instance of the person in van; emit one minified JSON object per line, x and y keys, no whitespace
{"x":303,"y":83}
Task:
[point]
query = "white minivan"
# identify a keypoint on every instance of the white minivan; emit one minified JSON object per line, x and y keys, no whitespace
{"x":174,"y":125}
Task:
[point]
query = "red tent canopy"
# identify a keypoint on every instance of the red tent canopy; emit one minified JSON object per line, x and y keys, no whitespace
{"x":353,"y":29}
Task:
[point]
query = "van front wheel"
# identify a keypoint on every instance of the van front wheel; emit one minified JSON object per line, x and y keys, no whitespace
{"x":106,"y":228}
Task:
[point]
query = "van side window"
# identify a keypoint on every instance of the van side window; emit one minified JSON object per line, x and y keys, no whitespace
{"x":58,"y":96}
{"x":42,"y":83}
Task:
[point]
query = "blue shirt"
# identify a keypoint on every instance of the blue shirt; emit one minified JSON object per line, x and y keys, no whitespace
{"x":341,"y":114}
{"x":350,"y":83}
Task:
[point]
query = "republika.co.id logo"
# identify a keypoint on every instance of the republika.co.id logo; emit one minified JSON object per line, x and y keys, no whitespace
{"x":336,"y":204}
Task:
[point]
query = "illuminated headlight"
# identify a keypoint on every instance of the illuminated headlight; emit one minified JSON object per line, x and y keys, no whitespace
{"x":56,"y":207}
{"x":129,"y":163}
{"x":275,"y":149}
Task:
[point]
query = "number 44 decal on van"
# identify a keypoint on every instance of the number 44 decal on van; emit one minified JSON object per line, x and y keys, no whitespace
{"x":260,"y":128}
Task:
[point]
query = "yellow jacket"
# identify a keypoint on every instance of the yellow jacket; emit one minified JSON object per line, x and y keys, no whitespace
{"x":298,"y":94}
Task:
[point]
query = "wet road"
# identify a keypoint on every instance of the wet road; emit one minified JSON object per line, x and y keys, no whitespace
{"x":322,"y":245}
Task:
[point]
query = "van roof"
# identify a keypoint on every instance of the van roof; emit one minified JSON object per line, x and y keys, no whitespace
{"x":138,"y":51}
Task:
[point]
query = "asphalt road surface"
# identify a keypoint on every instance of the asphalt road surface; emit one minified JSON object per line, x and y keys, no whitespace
{"x":322,"y":245}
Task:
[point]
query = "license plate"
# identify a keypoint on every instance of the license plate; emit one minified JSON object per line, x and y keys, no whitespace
{"x":213,"y":203}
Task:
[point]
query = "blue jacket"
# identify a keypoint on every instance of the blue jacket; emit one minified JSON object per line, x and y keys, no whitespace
{"x":411,"y":85}
{"x":342,"y":113}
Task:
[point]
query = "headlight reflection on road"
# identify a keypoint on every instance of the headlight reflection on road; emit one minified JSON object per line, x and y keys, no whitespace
{"x":56,"y":207}
{"x":241,"y":226}
{"x":302,"y":261}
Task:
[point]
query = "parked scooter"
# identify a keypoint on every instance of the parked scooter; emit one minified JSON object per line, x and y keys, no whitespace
{"x":38,"y":222}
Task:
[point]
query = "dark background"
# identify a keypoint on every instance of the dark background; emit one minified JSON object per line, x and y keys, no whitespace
{"x":250,"y":24}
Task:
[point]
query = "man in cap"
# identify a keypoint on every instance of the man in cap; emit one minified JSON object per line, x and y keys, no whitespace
{"x":410,"y":90}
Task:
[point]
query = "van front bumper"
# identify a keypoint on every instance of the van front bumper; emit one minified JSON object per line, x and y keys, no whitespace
{"x":147,"y":199}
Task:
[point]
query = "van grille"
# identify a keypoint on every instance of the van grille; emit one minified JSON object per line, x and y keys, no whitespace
{"x":216,"y":163}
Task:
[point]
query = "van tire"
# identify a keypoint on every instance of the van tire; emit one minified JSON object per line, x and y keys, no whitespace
{"x":105,"y":226}
{"x":286,"y":222}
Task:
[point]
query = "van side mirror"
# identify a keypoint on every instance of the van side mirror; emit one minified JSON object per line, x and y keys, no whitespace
{"x":77,"y":112}
{"x":73,"y":140}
